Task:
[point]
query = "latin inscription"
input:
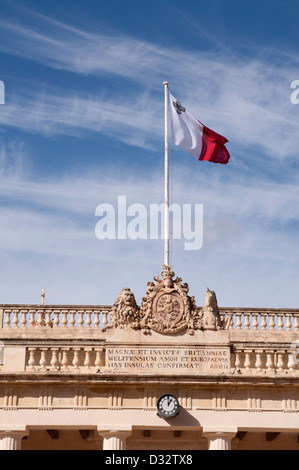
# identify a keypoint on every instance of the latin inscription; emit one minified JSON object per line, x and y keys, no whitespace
{"x":168,"y":359}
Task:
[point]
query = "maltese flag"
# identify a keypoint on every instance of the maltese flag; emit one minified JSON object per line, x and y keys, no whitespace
{"x":191,"y":135}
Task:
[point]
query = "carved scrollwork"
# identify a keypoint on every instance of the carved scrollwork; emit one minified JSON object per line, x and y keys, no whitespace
{"x":167,"y":308}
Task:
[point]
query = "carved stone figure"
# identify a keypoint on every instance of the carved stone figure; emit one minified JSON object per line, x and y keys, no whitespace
{"x":166,"y":308}
{"x":125,"y":311}
{"x":210,"y":317}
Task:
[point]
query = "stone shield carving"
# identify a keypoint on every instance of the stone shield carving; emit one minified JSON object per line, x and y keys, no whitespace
{"x":167,"y":308}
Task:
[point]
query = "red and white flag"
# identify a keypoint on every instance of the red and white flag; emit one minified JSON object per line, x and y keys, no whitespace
{"x":191,"y":135}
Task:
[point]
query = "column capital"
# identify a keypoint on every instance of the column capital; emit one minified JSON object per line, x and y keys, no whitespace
{"x":11,"y":439}
{"x":211,"y":434}
{"x":219,"y":439}
{"x":114,"y":439}
{"x":114,"y":433}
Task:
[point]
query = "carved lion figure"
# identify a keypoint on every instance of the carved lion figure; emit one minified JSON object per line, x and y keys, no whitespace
{"x":125,"y":311}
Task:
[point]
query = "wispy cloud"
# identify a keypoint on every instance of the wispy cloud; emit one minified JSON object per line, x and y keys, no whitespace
{"x":56,"y":111}
{"x":47,"y":226}
{"x":52,"y":223}
{"x":246,"y":99}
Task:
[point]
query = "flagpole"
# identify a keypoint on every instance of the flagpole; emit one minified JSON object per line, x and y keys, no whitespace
{"x":166,"y":223}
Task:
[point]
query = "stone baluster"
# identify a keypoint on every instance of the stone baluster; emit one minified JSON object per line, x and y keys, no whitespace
{"x":255,"y":323}
{"x":96,"y":322}
{"x":87,"y":361}
{"x":293,"y":355}
{"x":296,"y":322}
{"x":258,"y":360}
{"x":231,"y":322}
{"x":48,"y":322}
{"x":80,"y":319}
{"x":32,"y":319}
{"x":247,"y":322}
{"x":56,"y":319}
{"x":105,"y":319}
{"x":270,"y":362}
{"x":280,"y":321}
{"x":64,"y":361}
{"x":247,"y":362}
{"x":280,"y":361}
{"x":24,"y":319}
{"x":32,"y":362}
{"x":43,"y":359}
{"x":263,"y":321}
{"x":98,"y":361}
{"x":76,"y":360}
{"x":88,"y":319}
{"x":54,"y":360}
{"x":272,"y":322}
{"x":64,"y":318}
{"x":288,"y":322}
{"x":238,"y":321}
{"x":238,"y":360}
{"x":72,"y":319}
{"x":7,"y":318}
{"x":15,"y":318}
{"x":40,"y":319}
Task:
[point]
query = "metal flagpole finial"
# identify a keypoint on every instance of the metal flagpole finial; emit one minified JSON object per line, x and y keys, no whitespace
{"x":165,"y":83}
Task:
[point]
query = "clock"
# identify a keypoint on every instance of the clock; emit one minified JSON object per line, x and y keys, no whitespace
{"x":168,"y":406}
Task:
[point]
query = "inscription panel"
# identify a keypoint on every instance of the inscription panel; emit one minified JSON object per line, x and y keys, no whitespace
{"x":168,"y":360}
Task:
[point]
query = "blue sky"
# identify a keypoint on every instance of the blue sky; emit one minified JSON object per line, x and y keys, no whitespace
{"x":83,"y":123}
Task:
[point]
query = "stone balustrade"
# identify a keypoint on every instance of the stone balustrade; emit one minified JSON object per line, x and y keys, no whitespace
{"x":63,"y":317}
{"x":71,"y":339}
{"x":97,"y":317}
{"x":74,"y":359}
{"x":256,"y":319}
{"x":258,"y":360}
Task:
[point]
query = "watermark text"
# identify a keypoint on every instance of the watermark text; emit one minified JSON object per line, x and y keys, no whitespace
{"x":295,"y":94}
{"x":139,"y":222}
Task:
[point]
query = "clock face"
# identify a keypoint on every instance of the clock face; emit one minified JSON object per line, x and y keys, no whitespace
{"x":168,"y":406}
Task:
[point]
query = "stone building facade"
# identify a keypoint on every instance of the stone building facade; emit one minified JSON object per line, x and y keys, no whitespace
{"x":90,"y":377}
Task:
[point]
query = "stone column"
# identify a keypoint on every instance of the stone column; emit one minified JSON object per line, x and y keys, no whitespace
{"x":114,"y":440}
{"x":219,"y":440}
{"x":11,"y":440}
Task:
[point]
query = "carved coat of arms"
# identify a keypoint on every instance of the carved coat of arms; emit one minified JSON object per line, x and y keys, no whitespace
{"x":167,"y":308}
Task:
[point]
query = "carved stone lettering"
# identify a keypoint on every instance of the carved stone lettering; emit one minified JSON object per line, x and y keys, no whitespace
{"x":165,"y":360}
